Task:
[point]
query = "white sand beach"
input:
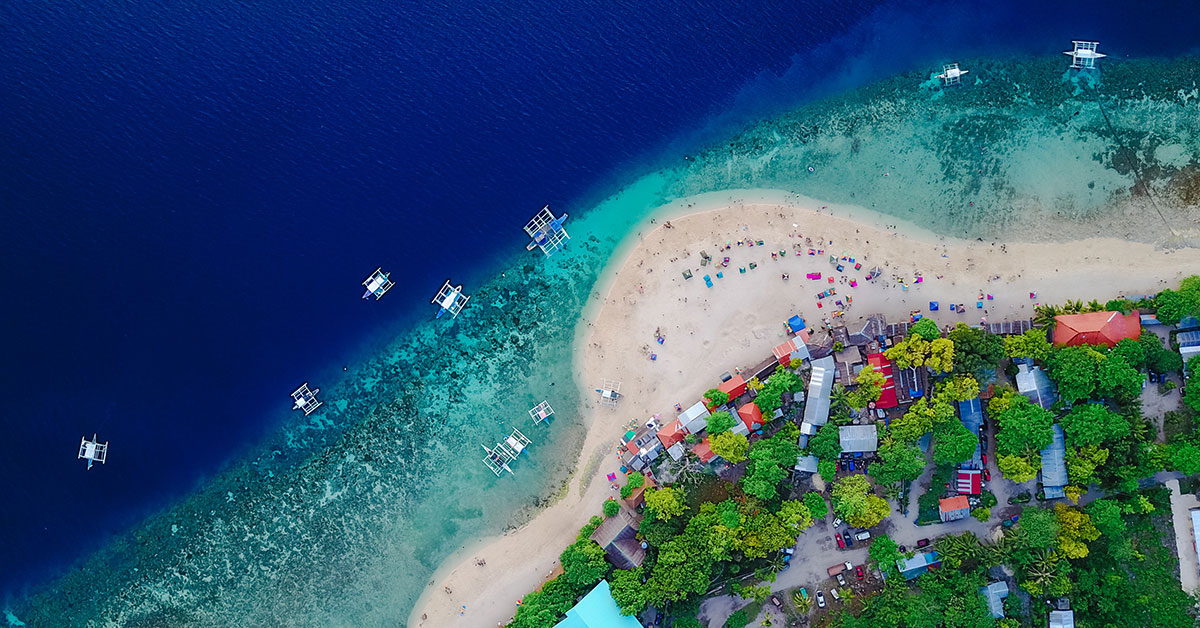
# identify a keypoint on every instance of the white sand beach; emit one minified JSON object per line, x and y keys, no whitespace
{"x":737,"y":322}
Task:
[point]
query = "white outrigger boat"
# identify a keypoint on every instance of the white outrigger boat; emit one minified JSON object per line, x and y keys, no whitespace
{"x":951,"y":74}
{"x":450,"y":299}
{"x":504,"y":452}
{"x":377,"y":284}
{"x":546,"y":231}
{"x":610,"y":393}
{"x":1084,"y":55}
{"x":306,"y":399}
{"x":93,"y":450}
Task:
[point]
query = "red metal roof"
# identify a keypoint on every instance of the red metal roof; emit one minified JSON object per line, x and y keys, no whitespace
{"x":1096,"y":328}
{"x":671,"y":433}
{"x":951,"y":504}
{"x":783,"y":352}
{"x":970,"y":481}
{"x":735,"y":387}
{"x":704,"y":451}
{"x":888,"y":398}
{"x":751,"y":416}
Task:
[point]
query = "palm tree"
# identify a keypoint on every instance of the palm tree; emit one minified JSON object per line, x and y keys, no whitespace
{"x":1044,"y":567}
{"x":801,"y":603}
{"x":1094,"y":306}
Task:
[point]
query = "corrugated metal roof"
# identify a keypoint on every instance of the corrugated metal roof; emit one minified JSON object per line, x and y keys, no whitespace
{"x":995,"y":593}
{"x":808,"y":464}
{"x":856,"y":438}
{"x":1054,"y":465}
{"x":1062,"y":619}
{"x":1035,"y":384}
{"x":971,"y":414}
{"x":816,"y":412}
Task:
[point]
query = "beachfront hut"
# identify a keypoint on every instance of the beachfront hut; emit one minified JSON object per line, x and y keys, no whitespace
{"x":1096,"y":328}
{"x":703,"y":450}
{"x":1189,"y":344}
{"x":954,"y":508}
{"x":1033,"y":382}
{"x":676,"y":451}
{"x":637,"y":496}
{"x":887,"y":398}
{"x":672,"y":433}
{"x":806,"y":464}
{"x":858,"y":438}
{"x":751,"y":416}
{"x":970,"y":412}
{"x":816,"y":411}
{"x":618,"y":536}
{"x":994,"y":594}
{"x":920,"y":563}
{"x":1062,"y":619}
{"x":872,"y":330}
{"x":598,"y":609}
{"x":795,"y":324}
{"x":969,"y":481}
{"x":849,"y":362}
{"x":1054,"y":465}
{"x":694,"y":419}
{"x":734,"y":387}
{"x":793,"y":349}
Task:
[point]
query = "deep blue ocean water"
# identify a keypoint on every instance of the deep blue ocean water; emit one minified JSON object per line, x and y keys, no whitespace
{"x":192,"y":192}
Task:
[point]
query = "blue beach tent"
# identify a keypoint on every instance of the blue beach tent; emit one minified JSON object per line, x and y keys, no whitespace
{"x":795,"y":324}
{"x":933,"y":306}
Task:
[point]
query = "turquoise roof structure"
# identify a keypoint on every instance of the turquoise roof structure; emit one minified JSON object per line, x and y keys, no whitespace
{"x":598,"y":609}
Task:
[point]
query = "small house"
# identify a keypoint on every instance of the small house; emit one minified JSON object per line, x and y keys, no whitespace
{"x":887,"y":398}
{"x":734,"y":387}
{"x":793,"y":349}
{"x":751,"y":416}
{"x":858,"y":438}
{"x":673,"y":433}
{"x":598,"y":609}
{"x":618,"y":536}
{"x":703,"y":450}
{"x":994,"y":594}
{"x":918,"y":564}
{"x":1096,"y":328}
{"x":676,"y":451}
{"x":970,"y":481}
{"x":1189,"y":344}
{"x":1062,"y":619}
{"x":849,"y":362}
{"x":1033,"y":382}
{"x":954,"y":508}
{"x":1054,"y":465}
{"x":816,"y":412}
{"x":694,"y":419}
{"x":970,"y":412}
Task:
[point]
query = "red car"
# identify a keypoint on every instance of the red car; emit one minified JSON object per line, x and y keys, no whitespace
{"x":987,"y":475}
{"x":984,"y":458}
{"x":841,"y":543}
{"x":858,"y":571}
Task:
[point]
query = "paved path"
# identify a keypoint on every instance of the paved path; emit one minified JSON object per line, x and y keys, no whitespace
{"x":1185,"y":545}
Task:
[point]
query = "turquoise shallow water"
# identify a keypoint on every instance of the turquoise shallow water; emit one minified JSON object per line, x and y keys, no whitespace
{"x":341,"y":517}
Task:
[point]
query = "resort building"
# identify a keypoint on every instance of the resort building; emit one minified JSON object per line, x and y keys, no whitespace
{"x":872,"y":331}
{"x":703,"y":450}
{"x":887,"y":398}
{"x":970,"y":412}
{"x":1096,"y":328}
{"x":1062,"y":619}
{"x":954,"y":508}
{"x":673,"y":433}
{"x":793,"y":349}
{"x":751,"y":417}
{"x":618,"y":536}
{"x":1189,"y":344}
{"x":969,"y":481}
{"x":994,"y":594}
{"x":637,"y":497}
{"x":676,"y":451}
{"x":917,"y":565}
{"x":598,"y":609}
{"x":816,"y":412}
{"x":734,"y":387}
{"x":694,"y":419}
{"x":806,"y":464}
{"x":1054,"y":465}
{"x":1033,"y":382}
{"x":858,"y":438}
{"x":642,"y":445}
{"x":849,"y":362}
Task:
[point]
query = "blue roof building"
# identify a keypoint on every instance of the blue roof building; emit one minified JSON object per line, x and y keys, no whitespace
{"x":598,"y":609}
{"x":1054,"y":465}
{"x":918,"y":564}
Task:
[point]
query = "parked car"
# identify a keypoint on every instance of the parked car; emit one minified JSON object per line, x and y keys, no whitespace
{"x":840,"y":542}
{"x":776,"y":602}
{"x":837,"y":596}
{"x":880,"y":413}
{"x":858,"y":571}
{"x":987,"y":475}
{"x":862,"y":536}
{"x":789,"y":551}
{"x":849,"y":539}
{"x":804,"y":592}
{"x":850,"y":465}
{"x":837,"y":522}
{"x":922,"y":542}
{"x":983,"y":457}
{"x":820,"y":600}
{"x":841,"y":580}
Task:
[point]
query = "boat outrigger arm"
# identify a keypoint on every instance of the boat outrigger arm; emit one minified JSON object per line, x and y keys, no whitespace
{"x":450,"y":299}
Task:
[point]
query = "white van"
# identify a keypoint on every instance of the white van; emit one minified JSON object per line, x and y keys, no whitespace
{"x":834,"y":592}
{"x":862,"y":536}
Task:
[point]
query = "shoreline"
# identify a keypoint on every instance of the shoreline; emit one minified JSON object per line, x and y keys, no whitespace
{"x":1095,"y":268}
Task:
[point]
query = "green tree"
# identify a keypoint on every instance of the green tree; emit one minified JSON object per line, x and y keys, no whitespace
{"x":1040,"y":527}
{"x":1075,"y":530}
{"x":870,"y":387}
{"x":1132,"y":351}
{"x":732,"y":447}
{"x":1185,"y":457}
{"x":1018,"y":468}
{"x":716,"y":397}
{"x":635,"y":481}
{"x":1024,"y":427}
{"x":1074,"y":369}
{"x":611,"y":508}
{"x":898,"y":462}
{"x":910,"y":353}
{"x":1116,"y":379}
{"x":926,"y":329}
{"x":665,"y":502}
{"x":941,"y":356}
{"x":1158,"y":358}
{"x":1032,"y":344}
{"x":583,"y":563}
{"x":982,"y":514}
{"x":854,"y":502}
{"x":955,"y":443}
{"x":1174,"y":305}
{"x":1191,"y":388}
{"x":769,"y":460}
{"x":770,"y":398}
{"x":816,"y":504}
{"x":961,"y":388}
{"x":922,"y":417}
{"x":826,"y":443}
{"x":1093,"y":424}
{"x":628,"y":590}
{"x":719,"y":422}
{"x":976,"y":352}
{"x":1083,"y":462}
{"x":884,"y":553}
{"x":827,"y":469}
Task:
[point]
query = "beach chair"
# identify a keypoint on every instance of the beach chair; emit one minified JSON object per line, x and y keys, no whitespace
{"x":953,"y":307}
{"x":840,"y":268}
{"x":933,"y":306}
{"x":708,"y":281}
{"x":720,"y":275}
{"x":979,"y":305}
{"x":853,"y":283}
{"x":858,"y":266}
{"x":753,"y":265}
{"x":742,"y":270}
{"x":989,"y":297}
{"x":830,"y":279}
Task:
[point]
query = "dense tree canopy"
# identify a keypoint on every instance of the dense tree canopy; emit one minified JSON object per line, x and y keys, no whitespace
{"x":1174,"y":305}
{"x":870,"y":387}
{"x":826,"y":443}
{"x":922,"y":417}
{"x":716,"y":397}
{"x":1191,"y":388}
{"x":1159,"y":358}
{"x":665,"y":502}
{"x":1093,"y":424}
{"x":720,"y":422}
{"x":1024,"y":427}
{"x":854,"y":502}
{"x":732,"y":447}
{"x":1032,"y":344}
{"x":1074,"y":369}
{"x":954,"y":443}
{"x":976,"y":352}
{"x":769,"y":461}
{"x":961,"y":388}
{"x":898,"y":462}
{"x":770,"y":398}
{"x":816,"y":505}
{"x":1116,"y":379}
{"x":926,"y":329}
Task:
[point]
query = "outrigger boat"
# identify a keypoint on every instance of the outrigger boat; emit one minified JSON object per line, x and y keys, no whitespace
{"x":504,"y":452}
{"x":93,"y":450}
{"x":306,"y":399}
{"x":377,"y":284}
{"x":450,"y":299}
{"x":546,"y":231}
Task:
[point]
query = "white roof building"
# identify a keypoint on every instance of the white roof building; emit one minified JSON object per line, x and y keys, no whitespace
{"x":816,"y":412}
{"x":807,"y":464}
{"x":694,"y":418}
{"x":858,"y":438}
{"x":1062,"y":619}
